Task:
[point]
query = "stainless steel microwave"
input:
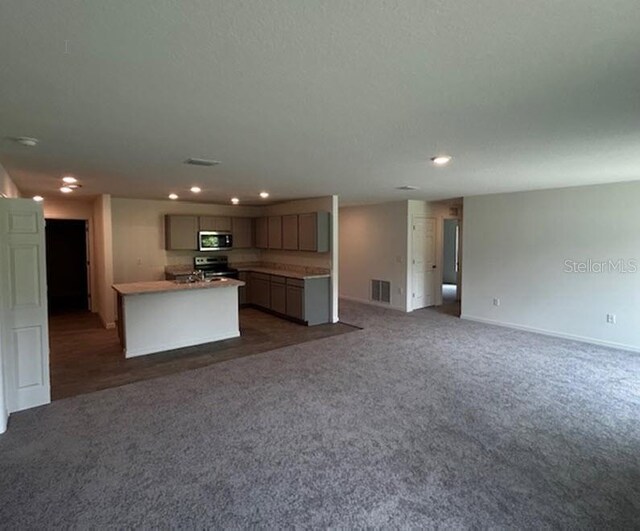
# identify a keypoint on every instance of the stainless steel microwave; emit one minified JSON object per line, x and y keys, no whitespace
{"x":214,"y":241}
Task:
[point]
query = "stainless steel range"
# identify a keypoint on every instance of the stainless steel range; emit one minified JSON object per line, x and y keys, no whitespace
{"x":214,"y":266}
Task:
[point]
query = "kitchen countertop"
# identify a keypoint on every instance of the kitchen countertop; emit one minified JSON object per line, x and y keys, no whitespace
{"x":162,"y":286}
{"x":283,"y":272}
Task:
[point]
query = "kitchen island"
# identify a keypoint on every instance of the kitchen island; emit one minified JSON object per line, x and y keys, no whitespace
{"x":165,"y":315}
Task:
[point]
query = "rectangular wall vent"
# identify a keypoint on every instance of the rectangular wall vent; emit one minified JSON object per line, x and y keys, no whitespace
{"x":201,"y":162}
{"x":381,"y":291}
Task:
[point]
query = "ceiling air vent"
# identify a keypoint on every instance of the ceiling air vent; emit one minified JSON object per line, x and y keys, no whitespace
{"x":201,"y":162}
{"x":381,"y":291}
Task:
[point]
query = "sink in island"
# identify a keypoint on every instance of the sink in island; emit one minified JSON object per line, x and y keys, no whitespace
{"x":165,"y":315}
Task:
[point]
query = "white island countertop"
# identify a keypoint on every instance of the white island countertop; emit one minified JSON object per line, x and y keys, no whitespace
{"x":162,"y":286}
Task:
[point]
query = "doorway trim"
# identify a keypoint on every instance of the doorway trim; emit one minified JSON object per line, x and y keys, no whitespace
{"x":459,"y":218}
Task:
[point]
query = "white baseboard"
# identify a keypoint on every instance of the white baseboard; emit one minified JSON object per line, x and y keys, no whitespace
{"x":372,"y":303}
{"x":107,"y":325}
{"x":551,"y":333}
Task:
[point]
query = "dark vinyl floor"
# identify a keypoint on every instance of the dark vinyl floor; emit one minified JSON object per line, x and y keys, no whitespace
{"x":85,"y":357}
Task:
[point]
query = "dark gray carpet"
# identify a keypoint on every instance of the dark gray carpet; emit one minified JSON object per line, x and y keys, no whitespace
{"x":418,"y":420}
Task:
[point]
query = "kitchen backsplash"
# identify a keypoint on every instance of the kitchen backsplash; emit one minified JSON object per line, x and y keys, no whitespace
{"x":186,"y":257}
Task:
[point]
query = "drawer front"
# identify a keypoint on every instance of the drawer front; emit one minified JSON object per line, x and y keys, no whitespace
{"x":277,"y":279}
{"x":260,"y":276}
{"x":298,"y":282}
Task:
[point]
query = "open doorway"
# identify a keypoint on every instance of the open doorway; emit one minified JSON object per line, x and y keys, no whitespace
{"x":67,"y":266}
{"x":451,"y":271}
{"x":450,"y":260}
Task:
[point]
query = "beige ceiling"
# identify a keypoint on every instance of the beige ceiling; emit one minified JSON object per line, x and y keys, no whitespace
{"x":315,"y":97}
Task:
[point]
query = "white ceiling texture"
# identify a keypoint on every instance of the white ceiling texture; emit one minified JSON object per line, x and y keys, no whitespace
{"x":314,"y":97}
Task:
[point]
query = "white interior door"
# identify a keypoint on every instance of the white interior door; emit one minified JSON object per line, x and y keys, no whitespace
{"x":423,"y":262}
{"x":23,"y":285}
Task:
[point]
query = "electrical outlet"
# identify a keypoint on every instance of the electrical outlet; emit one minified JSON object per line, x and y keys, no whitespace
{"x":496,"y":302}
{"x":611,"y":318}
{"x":399,"y":291}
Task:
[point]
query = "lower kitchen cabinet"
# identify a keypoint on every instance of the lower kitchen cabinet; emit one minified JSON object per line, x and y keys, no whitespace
{"x":242,"y":290}
{"x":295,"y":302}
{"x":260,"y":290}
{"x":306,"y":300}
{"x":278,"y":295}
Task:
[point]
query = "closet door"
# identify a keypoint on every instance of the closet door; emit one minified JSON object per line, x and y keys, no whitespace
{"x":23,"y":317}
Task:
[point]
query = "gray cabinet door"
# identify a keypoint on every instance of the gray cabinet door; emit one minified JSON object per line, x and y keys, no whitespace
{"x":260,"y":292}
{"x":313,"y":232}
{"x":290,"y":232}
{"x":278,"y":297}
{"x":219,"y":223}
{"x":242,"y":231}
{"x":181,"y":233}
{"x":262,"y":233}
{"x":223,"y":223}
{"x":275,"y":232}
{"x":295,"y":302}
{"x":243,"y":290}
{"x":308,"y":232}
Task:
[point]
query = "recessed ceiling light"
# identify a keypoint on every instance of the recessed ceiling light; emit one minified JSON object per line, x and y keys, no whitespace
{"x":66,"y":189}
{"x":196,"y":189}
{"x":38,"y":198}
{"x":441,"y":160}
{"x":27,"y":141}
{"x":69,"y":180}
{"x":173,"y":196}
{"x":264,"y":195}
{"x":407,"y":188}
{"x":235,"y":200}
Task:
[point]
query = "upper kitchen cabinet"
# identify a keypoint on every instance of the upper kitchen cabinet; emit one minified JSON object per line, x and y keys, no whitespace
{"x":313,"y":232}
{"x":262,"y":233}
{"x":275,"y":232}
{"x":290,"y":232}
{"x":216,"y":223}
{"x":181,"y":233}
{"x":242,"y":232}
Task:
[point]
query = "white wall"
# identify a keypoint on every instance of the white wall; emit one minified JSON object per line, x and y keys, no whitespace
{"x":8,"y":188}
{"x":373,"y":245}
{"x":515,"y":247}
{"x":104,"y":260}
{"x":376,"y":243}
{"x":139,"y":252}
{"x":82,"y":209}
